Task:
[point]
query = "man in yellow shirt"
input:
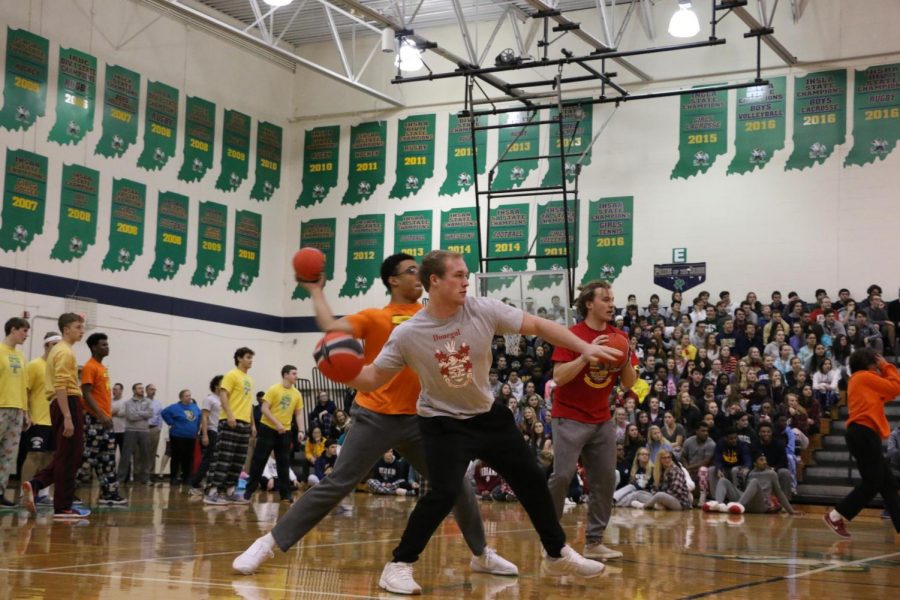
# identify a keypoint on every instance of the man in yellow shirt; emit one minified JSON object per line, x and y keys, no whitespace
{"x":235,"y":429}
{"x":13,"y":400}
{"x":281,"y":403}
{"x":36,"y":445}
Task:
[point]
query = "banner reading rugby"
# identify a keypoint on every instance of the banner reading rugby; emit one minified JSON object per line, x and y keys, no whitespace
{"x":703,"y":132}
{"x":368,"y":151}
{"x":235,"y":151}
{"x":610,"y":237}
{"x":459,"y":154}
{"x":126,"y":225}
{"x":321,"y":234}
{"x":247,"y":244}
{"x":459,"y":233}
{"x":876,"y":114}
{"x":820,"y":117}
{"x":415,"y":154}
{"x":25,"y":91}
{"x":120,"y":111}
{"x":212,"y":229}
{"x":321,"y":146}
{"x":268,"y":161}
{"x":76,"y":90}
{"x":412,"y":233}
{"x":77,"y":212}
{"x":24,"y":199}
{"x":365,"y":251}
{"x":171,"y":235}
{"x":199,"y":137}
{"x":760,"y":125}
{"x":507,"y":237}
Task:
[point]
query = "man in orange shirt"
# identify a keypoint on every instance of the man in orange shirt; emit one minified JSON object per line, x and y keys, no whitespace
{"x":99,"y":438}
{"x":384,"y":419}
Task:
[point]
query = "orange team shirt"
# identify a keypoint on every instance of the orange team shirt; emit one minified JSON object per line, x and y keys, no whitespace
{"x":374,"y":326}
{"x":867,"y":393}
{"x":95,"y":374}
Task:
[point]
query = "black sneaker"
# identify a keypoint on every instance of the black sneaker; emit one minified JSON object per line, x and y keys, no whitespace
{"x":113,"y":500}
{"x":6,"y":503}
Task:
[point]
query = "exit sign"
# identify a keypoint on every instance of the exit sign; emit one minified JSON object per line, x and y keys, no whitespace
{"x":679,"y":255}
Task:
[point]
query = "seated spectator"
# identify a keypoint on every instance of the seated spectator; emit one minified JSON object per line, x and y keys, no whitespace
{"x":623,"y":467}
{"x":515,"y":384}
{"x":825,"y":386}
{"x":654,"y":412}
{"x":536,"y":403}
{"x":322,"y":413}
{"x":893,"y":449}
{"x":643,"y":424}
{"x":340,"y":425}
{"x":785,"y":356}
{"x":391,"y":476}
{"x":621,"y":421}
{"x":633,"y":442}
{"x":686,"y":413}
{"x":490,"y":486}
{"x":506,"y":395}
{"x":269,"y":478}
{"x":640,"y":485}
{"x":805,"y":354}
{"x":672,"y":492}
{"x":731,"y":460}
{"x":762,"y":488}
{"x":313,"y":449}
{"x":656,"y":442}
{"x":696,"y":456}
{"x":813,"y":411}
{"x":878,"y":318}
{"x":325,"y":463}
{"x":673,"y":432}
{"x":744,"y":427}
{"x":527,"y":420}
{"x":776,"y":455}
{"x":494,"y":382}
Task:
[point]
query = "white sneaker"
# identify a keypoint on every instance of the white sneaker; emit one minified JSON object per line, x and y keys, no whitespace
{"x":598,"y":550}
{"x":637,"y":505}
{"x":259,"y":552}
{"x":569,"y":502}
{"x":571,"y":563}
{"x":493,"y":563}
{"x":397,"y":578}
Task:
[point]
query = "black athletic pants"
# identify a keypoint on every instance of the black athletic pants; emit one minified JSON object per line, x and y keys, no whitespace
{"x":865,"y":447}
{"x":268,"y":439}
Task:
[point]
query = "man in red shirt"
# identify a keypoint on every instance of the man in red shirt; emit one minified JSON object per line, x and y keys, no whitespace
{"x":582,"y":424}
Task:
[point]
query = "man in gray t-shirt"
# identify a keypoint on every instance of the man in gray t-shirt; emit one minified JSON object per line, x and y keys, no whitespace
{"x":696,"y":456}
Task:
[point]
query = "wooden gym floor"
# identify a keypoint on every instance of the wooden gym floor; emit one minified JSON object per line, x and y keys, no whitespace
{"x":169,"y":546}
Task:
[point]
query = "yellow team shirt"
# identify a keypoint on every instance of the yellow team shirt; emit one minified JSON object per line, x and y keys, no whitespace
{"x":239,"y":387}
{"x":38,"y":407}
{"x":12,"y":378}
{"x":283,"y":403}
{"x":62,"y":371}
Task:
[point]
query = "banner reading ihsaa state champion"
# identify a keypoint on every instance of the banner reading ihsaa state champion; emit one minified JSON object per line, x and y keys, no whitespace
{"x":212,"y":230}
{"x":412,"y":233}
{"x":820,"y":117}
{"x":76,"y":93}
{"x":77,"y":212}
{"x":126,"y":225}
{"x":519,"y":145}
{"x":321,"y":234}
{"x":876,"y":114}
{"x":415,"y":154}
{"x":365,"y":251}
{"x":268,"y":161}
{"x":160,"y":126}
{"x":368,"y":152}
{"x":121,"y":102}
{"x":551,"y":242}
{"x":578,"y":124}
{"x":703,"y":128}
{"x":24,"y":199}
{"x":235,"y":151}
{"x":508,"y":237}
{"x":321,"y":146}
{"x":25,"y":90}
{"x":760,"y":127}
{"x":247,"y":245}
{"x":610,"y":237}
{"x":459,"y":233}
{"x":459,"y":154}
{"x":199,"y":138}
{"x":171,"y":235}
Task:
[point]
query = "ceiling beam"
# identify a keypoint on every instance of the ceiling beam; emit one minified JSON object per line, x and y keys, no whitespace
{"x":769,"y":40}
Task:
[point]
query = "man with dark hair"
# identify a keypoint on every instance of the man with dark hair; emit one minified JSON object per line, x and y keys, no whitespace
{"x":136,"y":443}
{"x":13,"y":399}
{"x":697,"y":456}
{"x":731,"y":460}
{"x":210,"y":408}
{"x":776,"y":455}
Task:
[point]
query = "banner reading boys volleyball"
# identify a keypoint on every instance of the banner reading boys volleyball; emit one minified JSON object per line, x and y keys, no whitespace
{"x":876,"y":114}
{"x":199,"y":135}
{"x":235,"y":151}
{"x":211,"y":233}
{"x":610,"y":237}
{"x":247,"y":244}
{"x":415,"y":154}
{"x":508,"y":236}
{"x":77,"y":212}
{"x":321,"y":234}
{"x":76,"y":91}
{"x":578,"y":123}
{"x":519,"y":145}
{"x":171,"y":235}
{"x":268,"y":161}
{"x":760,"y":127}
{"x":120,"y":111}
{"x":126,"y":225}
{"x":24,"y":199}
{"x":459,"y":154}
{"x":551,"y":242}
{"x":703,"y":132}
{"x":365,"y":251}
{"x":25,"y":91}
{"x":368,"y":143}
{"x":160,"y":126}
{"x":459,"y":233}
{"x":820,"y":117}
{"x":320,"y":164}
{"x":412,"y":233}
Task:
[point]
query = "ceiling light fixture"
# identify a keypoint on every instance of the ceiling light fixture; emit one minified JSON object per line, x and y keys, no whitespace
{"x":684,"y":23}
{"x":277,"y":3}
{"x":409,"y":58}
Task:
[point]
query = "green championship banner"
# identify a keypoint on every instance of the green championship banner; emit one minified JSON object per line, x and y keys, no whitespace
{"x":415,"y":154}
{"x":551,"y":241}
{"x":520,"y":146}
{"x":25,"y":92}
{"x":820,"y":117}
{"x":365,"y":251}
{"x":171,"y":235}
{"x":77,"y":212}
{"x":235,"y":151}
{"x":76,"y":93}
{"x":247,"y":244}
{"x":160,"y":126}
{"x":459,"y":233}
{"x":199,"y":135}
{"x":507,"y":237}
{"x":459,"y":154}
{"x":610,"y":237}
{"x":412,"y":233}
{"x":760,"y":128}
{"x":24,"y":199}
{"x":321,"y":146}
{"x":121,"y":101}
{"x":368,"y":153}
{"x":703,"y":128}
{"x":211,"y":233}
{"x":876,"y":114}
{"x":126,"y":225}
{"x":577,"y":123}
{"x":268,"y":161}
{"x":321,"y":234}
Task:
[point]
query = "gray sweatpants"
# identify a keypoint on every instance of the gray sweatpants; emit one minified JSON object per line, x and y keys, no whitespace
{"x":371,"y":436}
{"x":596,"y":444}
{"x":135,"y":445}
{"x":667,"y":501}
{"x":754,"y":499}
